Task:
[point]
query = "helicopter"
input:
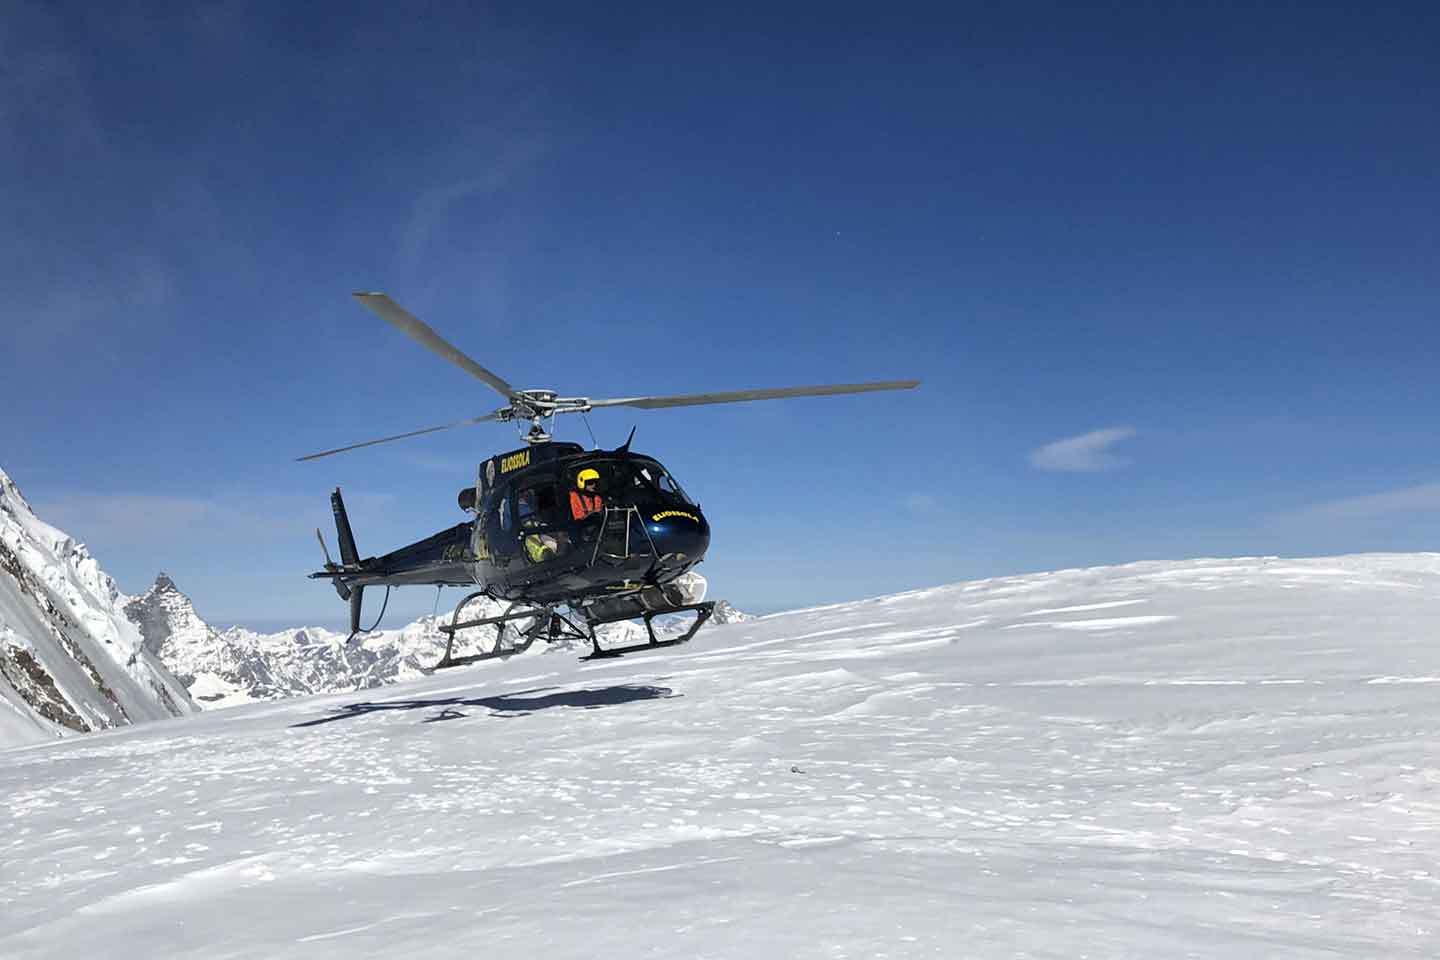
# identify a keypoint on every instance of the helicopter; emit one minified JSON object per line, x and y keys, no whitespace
{"x":572,"y":539}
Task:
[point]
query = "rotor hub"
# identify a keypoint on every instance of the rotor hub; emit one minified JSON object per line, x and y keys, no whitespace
{"x":535,"y":406}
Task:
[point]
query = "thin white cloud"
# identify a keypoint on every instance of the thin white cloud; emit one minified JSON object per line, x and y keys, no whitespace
{"x":434,"y":205}
{"x":1423,"y":498}
{"x":460,"y":468}
{"x":143,"y":521}
{"x":1087,"y":453}
{"x":921,"y":503}
{"x":125,"y":518}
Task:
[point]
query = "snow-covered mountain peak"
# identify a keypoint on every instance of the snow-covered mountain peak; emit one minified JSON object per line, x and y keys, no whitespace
{"x":725,"y":612}
{"x":9,"y":493}
{"x":165,"y":615}
{"x":69,"y":657}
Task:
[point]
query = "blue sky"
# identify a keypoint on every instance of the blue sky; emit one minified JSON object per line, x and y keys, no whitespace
{"x":1168,"y":273}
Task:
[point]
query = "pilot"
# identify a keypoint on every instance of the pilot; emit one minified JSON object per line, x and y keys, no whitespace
{"x":585,"y":498}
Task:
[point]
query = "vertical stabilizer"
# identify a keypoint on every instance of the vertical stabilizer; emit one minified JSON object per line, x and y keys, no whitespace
{"x":348,"y":554}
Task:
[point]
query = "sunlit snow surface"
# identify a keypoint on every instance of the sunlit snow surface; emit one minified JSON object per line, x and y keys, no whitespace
{"x":1232,"y":758}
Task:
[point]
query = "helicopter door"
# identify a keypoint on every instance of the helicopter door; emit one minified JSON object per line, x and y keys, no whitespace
{"x":500,"y":530}
{"x":539,"y":522}
{"x":479,"y":536}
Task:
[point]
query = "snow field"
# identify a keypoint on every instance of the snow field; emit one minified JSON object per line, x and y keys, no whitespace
{"x":1210,"y":758}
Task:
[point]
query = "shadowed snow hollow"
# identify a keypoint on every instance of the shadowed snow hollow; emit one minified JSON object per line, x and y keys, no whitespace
{"x":1216,"y":758}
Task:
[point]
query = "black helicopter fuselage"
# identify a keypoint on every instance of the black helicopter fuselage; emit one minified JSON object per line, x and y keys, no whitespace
{"x":546,"y":533}
{"x":537,"y":536}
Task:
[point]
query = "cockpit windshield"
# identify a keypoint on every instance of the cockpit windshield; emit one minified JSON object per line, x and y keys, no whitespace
{"x":632,"y":481}
{"x":656,"y":478}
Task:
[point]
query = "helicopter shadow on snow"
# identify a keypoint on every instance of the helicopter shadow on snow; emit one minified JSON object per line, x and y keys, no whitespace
{"x":519,"y":704}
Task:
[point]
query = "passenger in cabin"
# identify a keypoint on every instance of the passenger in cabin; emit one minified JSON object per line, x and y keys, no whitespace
{"x":539,"y":547}
{"x":585,"y":498}
{"x":525,"y":507}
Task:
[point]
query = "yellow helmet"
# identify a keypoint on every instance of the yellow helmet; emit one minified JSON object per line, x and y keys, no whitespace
{"x":585,"y":476}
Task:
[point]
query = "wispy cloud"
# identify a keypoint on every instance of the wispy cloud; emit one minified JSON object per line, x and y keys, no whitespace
{"x":434,"y":205}
{"x":921,"y":503}
{"x":458,"y":467}
{"x":1423,"y":498}
{"x":1087,"y":453}
{"x":126,"y":517}
{"x":129,"y":520}
{"x":45,"y":101}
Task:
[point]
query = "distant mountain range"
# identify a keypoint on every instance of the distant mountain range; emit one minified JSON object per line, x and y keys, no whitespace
{"x":223,"y":668}
{"x":76,"y":654}
{"x":71,"y":661}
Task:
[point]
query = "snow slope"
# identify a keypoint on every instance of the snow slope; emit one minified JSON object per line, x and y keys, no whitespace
{"x":1214,"y":758}
{"x":70,"y":661}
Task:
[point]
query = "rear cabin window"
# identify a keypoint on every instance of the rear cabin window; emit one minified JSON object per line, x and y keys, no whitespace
{"x":537,"y":506}
{"x":537,"y":513}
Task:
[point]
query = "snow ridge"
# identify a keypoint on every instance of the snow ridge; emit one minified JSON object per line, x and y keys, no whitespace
{"x":70,"y":660}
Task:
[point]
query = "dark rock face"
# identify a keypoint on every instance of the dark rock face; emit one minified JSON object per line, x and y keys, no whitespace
{"x":153,"y":612}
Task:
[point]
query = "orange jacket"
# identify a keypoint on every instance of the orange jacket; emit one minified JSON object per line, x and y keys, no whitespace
{"x":582,"y":505}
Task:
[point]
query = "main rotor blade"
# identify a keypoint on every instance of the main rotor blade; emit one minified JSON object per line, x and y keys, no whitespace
{"x":399,"y":436}
{"x":397,"y":316}
{"x":741,"y":396}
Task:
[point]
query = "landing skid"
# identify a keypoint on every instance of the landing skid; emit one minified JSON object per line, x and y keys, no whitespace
{"x":702,"y":612}
{"x":517,"y":629}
